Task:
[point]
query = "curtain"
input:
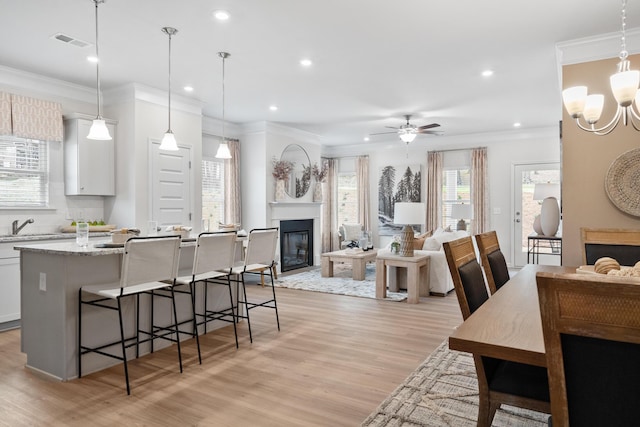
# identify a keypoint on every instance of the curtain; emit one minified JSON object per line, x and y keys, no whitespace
{"x":5,"y":114}
{"x":364,"y":198}
{"x":232,"y":194}
{"x":329,"y":228}
{"x":434,"y":190}
{"x":479,"y":193}
{"x":36,"y":119}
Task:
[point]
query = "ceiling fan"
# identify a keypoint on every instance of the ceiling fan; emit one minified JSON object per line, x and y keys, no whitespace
{"x":408,"y":131}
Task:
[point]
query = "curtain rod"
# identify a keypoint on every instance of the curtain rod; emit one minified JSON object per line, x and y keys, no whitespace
{"x":455,"y":149}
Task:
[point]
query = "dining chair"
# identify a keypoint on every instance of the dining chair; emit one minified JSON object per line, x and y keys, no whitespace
{"x":623,"y":245}
{"x":214,"y":253}
{"x":591,"y":328}
{"x":259,"y":259}
{"x":499,"y":381}
{"x":492,"y":259}
{"x":149,"y":264}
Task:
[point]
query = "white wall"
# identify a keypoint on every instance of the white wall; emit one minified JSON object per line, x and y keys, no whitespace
{"x":504,"y":150}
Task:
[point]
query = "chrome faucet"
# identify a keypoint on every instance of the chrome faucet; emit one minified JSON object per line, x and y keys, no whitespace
{"x":14,"y":226}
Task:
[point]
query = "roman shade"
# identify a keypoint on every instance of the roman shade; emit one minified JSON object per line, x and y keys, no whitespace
{"x":30,"y":118}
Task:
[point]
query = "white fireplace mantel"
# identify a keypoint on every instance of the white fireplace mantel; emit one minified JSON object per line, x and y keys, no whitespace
{"x":292,"y":210}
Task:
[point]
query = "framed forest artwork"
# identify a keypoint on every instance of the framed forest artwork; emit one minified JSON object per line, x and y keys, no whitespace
{"x":396,"y":184}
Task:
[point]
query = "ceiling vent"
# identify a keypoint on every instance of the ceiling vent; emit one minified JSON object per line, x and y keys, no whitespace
{"x":64,"y":38}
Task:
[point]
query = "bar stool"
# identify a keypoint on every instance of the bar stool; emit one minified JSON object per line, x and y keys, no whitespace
{"x":148,"y":264}
{"x":214,"y":253}
{"x":259,"y":260}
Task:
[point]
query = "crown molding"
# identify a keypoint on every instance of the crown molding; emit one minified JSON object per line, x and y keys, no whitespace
{"x":213,"y":126}
{"x":14,"y":79}
{"x":595,"y":48}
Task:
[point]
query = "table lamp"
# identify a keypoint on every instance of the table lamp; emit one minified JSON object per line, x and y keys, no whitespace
{"x":461,"y":211}
{"x":408,"y":213}
{"x":550,"y":211}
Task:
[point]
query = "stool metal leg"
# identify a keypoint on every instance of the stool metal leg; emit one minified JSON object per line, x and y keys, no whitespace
{"x":124,"y":350}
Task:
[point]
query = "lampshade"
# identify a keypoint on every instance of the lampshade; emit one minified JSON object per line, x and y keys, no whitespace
{"x":223,"y":151}
{"x":624,"y":86}
{"x":409,"y":213}
{"x":99,"y":131}
{"x":461,"y":211}
{"x":574,"y":99}
{"x":408,"y":137}
{"x":593,"y":108}
{"x":169,"y":142}
{"x":544,"y":190}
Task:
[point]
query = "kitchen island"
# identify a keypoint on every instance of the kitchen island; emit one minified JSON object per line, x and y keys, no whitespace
{"x":50,"y":277}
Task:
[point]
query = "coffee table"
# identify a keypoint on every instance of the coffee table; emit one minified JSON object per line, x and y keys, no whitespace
{"x":358,"y":261}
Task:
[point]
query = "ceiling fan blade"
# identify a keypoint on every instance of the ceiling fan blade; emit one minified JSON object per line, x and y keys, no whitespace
{"x":432,"y":125}
{"x":382,"y":133}
{"x":430,"y":132}
{"x":392,"y":127}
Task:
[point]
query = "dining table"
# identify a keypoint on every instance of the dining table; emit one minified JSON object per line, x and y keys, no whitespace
{"x":508,"y":325}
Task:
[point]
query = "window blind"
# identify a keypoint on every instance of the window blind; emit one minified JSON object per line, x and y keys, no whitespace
{"x":213,"y":191}
{"x":24,"y":172}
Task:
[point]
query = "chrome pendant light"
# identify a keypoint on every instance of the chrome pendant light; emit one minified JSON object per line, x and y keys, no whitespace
{"x":98,"y":130}
{"x":223,"y":149}
{"x":624,"y":85}
{"x":169,"y":140}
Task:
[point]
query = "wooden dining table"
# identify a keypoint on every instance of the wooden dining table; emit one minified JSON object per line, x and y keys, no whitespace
{"x":508,"y":325}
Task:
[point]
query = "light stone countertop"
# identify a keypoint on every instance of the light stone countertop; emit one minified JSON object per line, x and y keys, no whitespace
{"x":71,"y":248}
{"x":19,"y":238}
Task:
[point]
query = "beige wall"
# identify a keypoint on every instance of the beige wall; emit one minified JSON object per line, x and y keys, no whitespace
{"x":586,"y":159}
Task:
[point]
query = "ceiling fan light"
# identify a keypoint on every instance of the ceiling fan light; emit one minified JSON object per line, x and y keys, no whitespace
{"x":408,"y":137}
{"x":169,"y":142}
{"x":99,"y":131}
{"x":223,"y":151}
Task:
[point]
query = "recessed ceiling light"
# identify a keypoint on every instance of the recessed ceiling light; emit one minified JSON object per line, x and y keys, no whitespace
{"x":306,"y":62}
{"x":517,"y":125}
{"x":273,"y":107}
{"x":366,"y":138}
{"x":487,"y":73}
{"x":188,"y":89}
{"x":93,"y":59}
{"x":221,"y":15}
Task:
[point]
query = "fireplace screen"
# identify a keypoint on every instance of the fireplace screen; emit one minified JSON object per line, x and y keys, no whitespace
{"x":296,"y":244}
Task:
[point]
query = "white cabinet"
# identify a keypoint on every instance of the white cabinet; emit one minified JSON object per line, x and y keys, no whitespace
{"x":10,"y":284}
{"x":89,"y":165}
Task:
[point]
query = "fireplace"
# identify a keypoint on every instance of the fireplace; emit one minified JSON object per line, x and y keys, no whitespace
{"x":296,"y":244}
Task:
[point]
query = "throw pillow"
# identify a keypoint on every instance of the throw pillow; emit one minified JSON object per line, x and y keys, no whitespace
{"x":418,"y":242}
{"x":352,"y":231}
{"x":431,"y":244}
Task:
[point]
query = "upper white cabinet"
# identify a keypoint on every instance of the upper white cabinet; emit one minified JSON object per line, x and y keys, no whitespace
{"x":89,"y":165}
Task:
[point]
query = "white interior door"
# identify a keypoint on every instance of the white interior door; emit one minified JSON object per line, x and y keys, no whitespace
{"x":525,"y":209}
{"x":170,"y":186}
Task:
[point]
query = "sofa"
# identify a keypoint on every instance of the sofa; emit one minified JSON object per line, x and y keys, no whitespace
{"x":440,"y":281}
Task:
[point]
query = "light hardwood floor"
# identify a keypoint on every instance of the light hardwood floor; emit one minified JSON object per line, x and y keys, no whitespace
{"x":335,"y":359}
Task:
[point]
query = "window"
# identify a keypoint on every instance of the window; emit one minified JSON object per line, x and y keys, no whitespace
{"x":347,"y":198}
{"x":24,"y":173}
{"x":456,"y":188}
{"x":213,"y":191}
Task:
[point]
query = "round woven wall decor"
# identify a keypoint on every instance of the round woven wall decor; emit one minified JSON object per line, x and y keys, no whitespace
{"x":622,"y":182}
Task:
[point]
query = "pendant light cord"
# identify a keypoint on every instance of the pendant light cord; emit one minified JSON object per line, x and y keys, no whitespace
{"x":623,"y":39}
{"x":98,"y":61}
{"x":224,"y":56}
{"x":169,"y":109}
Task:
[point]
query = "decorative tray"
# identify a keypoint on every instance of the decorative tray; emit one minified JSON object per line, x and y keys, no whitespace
{"x":92,"y":228}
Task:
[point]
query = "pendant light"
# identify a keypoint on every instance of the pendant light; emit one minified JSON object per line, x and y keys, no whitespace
{"x":169,"y":140}
{"x":223,"y":149}
{"x":98,"y":130}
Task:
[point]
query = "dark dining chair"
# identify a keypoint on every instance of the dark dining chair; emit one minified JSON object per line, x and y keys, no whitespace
{"x":492,"y":259}
{"x":591,"y":328}
{"x":499,"y":381}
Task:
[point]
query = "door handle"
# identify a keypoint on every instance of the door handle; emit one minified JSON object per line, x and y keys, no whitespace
{"x":517,"y":220}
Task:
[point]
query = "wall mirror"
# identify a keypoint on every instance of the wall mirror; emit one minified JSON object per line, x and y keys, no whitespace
{"x":300,"y":179}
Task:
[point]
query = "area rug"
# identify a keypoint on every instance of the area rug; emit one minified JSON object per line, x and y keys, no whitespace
{"x":443,"y":391}
{"x":341,"y":283}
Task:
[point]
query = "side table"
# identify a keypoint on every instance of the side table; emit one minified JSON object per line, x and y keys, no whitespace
{"x":417,"y":274}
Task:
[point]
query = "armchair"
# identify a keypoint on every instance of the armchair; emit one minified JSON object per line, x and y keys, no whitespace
{"x":349,"y":234}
